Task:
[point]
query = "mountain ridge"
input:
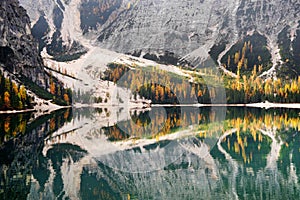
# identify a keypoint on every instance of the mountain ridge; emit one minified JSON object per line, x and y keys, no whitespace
{"x":169,"y":32}
{"x":19,"y":56}
{"x":18,"y":51}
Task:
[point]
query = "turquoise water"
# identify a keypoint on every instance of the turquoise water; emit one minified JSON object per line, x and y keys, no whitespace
{"x":190,"y":153}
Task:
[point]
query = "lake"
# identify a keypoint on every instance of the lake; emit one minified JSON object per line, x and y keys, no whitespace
{"x":158,"y":153}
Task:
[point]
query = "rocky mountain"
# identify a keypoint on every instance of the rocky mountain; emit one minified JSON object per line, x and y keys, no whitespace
{"x":168,"y":31}
{"x":191,"y":29}
{"x":60,"y":24}
{"x":18,"y":52}
{"x":19,"y":56}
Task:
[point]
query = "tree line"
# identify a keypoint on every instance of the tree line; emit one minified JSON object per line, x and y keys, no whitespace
{"x":168,"y":88}
{"x":13,"y":96}
{"x":254,"y":89}
{"x":247,"y":54}
{"x":60,"y":95}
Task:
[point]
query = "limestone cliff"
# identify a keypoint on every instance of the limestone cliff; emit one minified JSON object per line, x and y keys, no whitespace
{"x":18,"y":51}
{"x":168,"y":31}
{"x":19,"y":55}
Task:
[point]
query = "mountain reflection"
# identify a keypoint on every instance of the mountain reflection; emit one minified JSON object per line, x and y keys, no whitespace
{"x":174,"y":153}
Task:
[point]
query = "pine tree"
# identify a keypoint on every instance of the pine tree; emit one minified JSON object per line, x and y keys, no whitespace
{"x":236,"y":57}
{"x":52,"y":87}
{"x":6,"y":99}
{"x":66,"y":99}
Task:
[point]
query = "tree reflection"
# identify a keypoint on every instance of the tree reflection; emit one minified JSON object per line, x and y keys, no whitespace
{"x":21,"y":144}
{"x":256,"y":155}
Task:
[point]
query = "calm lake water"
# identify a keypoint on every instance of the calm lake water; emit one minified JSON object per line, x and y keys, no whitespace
{"x":172,"y":153}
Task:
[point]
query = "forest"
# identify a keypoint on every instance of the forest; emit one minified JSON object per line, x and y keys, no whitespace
{"x":167,"y":88}
{"x":247,"y":54}
{"x":12,"y":95}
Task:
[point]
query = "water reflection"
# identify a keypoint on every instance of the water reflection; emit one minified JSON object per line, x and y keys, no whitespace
{"x":252,"y":154}
{"x":21,"y":144}
{"x":11,"y":125}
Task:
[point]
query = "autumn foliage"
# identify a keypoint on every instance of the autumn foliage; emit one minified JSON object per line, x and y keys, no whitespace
{"x":13,"y":96}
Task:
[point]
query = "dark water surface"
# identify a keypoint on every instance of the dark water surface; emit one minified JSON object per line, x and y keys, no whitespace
{"x":172,"y":153}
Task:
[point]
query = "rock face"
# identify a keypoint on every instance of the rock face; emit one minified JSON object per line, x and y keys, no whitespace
{"x":59,"y":25}
{"x":18,"y":51}
{"x":154,"y":26}
{"x":190,"y":28}
{"x":163,"y":30}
